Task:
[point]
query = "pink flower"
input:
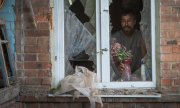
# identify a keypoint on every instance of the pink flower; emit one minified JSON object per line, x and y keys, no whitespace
{"x":119,"y":51}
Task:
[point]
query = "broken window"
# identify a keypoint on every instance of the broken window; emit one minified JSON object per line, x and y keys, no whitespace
{"x":85,"y":40}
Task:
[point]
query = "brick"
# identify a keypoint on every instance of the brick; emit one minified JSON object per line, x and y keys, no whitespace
{"x":20,"y":65}
{"x":167,"y":2}
{"x":156,"y":105}
{"x":43,"y":57}
{"x":176,"y":66}
{"x":43,"y":41}
{"x":166,"y":49}
{"x":170,"y":57}
{"x":169,"y":74}
{"x":44,"y":73}
{"x":166,"y":65}
{"x":30,"y":40}
{"x":31,"y":49}
{"x":166,"y":10}
{"x":142,"y":105}
{"x":176,"y":49}
{"x":32,"y":105}
{"x":170,"y":105}
{"x":40,"y":3}
{"x":30,"y":73}
{"x":37,"y":65}
{"x":46,"y":105}
{"x":168,"y":25}
{"x":127,"y":105}
{"x":37,"y":33}
{"x":33,"y":81}
{"x":43,"y":18}
{"x":30,"y":57}
{"x":115,"y":105}
{"x":36,"y":49}
{"x":61,"y":105}
{"x":175,"y":10}
{"x":46,"y":81}
{"x":166,"y":82}
{"x":167,"y":18}
{"x":167,"y":34}
{"x":105,"y":105}
{"x":43,"y":25}
{"x":177,"y":81}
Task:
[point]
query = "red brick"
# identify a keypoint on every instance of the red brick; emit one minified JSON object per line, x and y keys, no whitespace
{"x":30,"y":40}
{"x":167,"y":2}
{"x":37,"y":65}
{"x":167,"y":18}
{"x":43,"y":18}
{"x":170,"y":57}
{"x":46,"y":81}
{"x":156,"y":105}
{"x":44,"y":73}
{"x":43,"y":25}
{"x":169,"y":74}
{"x":115,"y":105}
{"x":20,"y":65}
{"x":166,"y":82}
{"x":176,"y":34}
{"x":37,"y":33}
{"x":32,"y":105}
{"x":37,"y":49}
{"x":30,"y":73}
{"x":127,"y":105}
{"x":33,"y":81}
{"x":175,"y":10}
{"x":176,"y":49}
{"x":163,"y":41}
{"x":177,"y":81}
{"x":168,"y":25}
{"x":61,"y":105}
{"x":30,"y":57}
{"x":43,"y":41}
{"x":166,"y":66}
{"x":43,"y":57}
{"x":31,"y":49}
{"x":166,"y":49}
{"x":166,"y":10}
{"x":176,"y":66}
{"x":46,"y":105}
{"x":170,"y":105}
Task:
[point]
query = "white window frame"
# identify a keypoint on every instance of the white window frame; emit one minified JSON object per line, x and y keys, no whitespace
{"x":102,"y":11}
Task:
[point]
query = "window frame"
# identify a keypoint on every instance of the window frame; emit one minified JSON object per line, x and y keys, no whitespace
{"x":102,"y":11}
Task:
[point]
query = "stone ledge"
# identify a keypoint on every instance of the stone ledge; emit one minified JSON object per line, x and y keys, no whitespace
{"x":64,"y":99}
{"x":8,"y":93}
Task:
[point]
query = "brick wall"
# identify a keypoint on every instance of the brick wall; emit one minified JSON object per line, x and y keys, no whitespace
{"x":34,"y":65}
{"x":32,"y":46}
{"x":170,"y":45}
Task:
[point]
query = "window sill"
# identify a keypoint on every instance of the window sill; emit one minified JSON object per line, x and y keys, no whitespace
{"x":9,"y":93}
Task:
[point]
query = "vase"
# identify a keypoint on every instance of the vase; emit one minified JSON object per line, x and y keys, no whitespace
{"x":126,"y":74}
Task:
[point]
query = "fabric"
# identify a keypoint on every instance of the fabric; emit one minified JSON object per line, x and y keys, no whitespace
{"x":131,"y":43}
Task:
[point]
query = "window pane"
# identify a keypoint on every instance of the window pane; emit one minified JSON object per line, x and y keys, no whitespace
{"x":130,"y":40}
{"x":80,"y":32}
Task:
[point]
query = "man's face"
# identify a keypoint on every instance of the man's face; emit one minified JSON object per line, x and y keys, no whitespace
{"x":127,"y":23}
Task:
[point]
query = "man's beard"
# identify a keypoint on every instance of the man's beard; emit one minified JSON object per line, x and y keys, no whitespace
{"x":127,"y":29}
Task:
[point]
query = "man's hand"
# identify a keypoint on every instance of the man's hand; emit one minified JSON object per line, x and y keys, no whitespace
{"x":120,"y":67}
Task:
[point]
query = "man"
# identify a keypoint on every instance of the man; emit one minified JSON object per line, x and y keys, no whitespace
{"x":131,"y":38}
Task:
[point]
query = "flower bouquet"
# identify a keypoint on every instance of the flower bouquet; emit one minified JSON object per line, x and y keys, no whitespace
{"x":121,"y":55}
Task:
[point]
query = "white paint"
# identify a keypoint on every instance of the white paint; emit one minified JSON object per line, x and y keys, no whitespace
{"x":59,"y":70}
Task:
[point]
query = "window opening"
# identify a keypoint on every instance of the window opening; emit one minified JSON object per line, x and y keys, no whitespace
{"x":131,"y":30}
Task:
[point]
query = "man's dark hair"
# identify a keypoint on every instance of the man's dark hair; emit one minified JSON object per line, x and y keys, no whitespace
{"x":124,"y":12}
